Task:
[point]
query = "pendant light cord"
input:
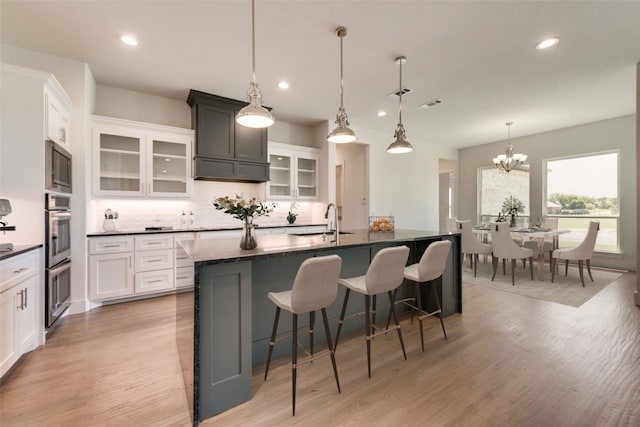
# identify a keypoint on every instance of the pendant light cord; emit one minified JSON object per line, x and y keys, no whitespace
{"x":400,"y":93}
{"x":253,"y":38}
{"x":341,"y":73}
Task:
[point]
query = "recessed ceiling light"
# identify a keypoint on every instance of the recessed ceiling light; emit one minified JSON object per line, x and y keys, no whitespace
{"x":283,"y":85}
{"x":382,"y":113}
{"x":129,"y":40}
{"x":546,"y":43}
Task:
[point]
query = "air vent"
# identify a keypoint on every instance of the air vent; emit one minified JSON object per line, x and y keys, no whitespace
{"x":431,"y":103}
{"x":405,"y":90}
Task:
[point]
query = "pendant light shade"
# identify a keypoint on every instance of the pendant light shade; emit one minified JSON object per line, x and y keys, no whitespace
{"x":400,"y":145}
{"x":342,"y":133}
{"x":254,"y":115}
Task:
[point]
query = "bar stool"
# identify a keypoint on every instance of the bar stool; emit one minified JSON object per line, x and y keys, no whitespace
{"x":314,"y":288}
{"x":385,"y":274}
{"x":430,"y":267}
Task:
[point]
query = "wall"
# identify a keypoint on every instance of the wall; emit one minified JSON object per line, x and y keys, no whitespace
{"x":76,"y":79}
{"x":405,"y":185}
{"x":355,"y":206}
{"x":618,"y":134}
{"x":637,"y":293}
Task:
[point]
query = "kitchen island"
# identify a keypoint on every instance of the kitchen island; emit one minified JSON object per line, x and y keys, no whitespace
{"x":223,"y":327}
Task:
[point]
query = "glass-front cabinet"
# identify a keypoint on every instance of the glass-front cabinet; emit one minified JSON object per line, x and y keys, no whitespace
{"x":293,"y":172}
{"x":141,"y":159}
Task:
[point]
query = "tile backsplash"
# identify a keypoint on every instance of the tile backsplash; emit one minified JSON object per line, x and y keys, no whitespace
{"x":136,"y":214}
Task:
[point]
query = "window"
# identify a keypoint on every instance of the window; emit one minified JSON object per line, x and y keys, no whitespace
{"x":583,"y":189}
{"x":496,"y":186}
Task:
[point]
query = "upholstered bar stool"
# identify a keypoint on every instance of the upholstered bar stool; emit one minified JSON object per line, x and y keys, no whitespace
{"x":314,"y":288}
{"x":385,"y":274}
{"x":431,"y":266}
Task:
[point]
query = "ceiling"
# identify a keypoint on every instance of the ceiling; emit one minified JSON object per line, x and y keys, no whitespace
{"x":477,"y":57}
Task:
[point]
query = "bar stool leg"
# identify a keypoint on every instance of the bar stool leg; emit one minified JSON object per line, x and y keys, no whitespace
{"x":272,"y":341}
{"x":367,"y":326}
{"x":435,"y":295}
{"x":373,"y":315}
{"x":395,"y":319}
{"x":312,"y":320}
{"x":417,"y":287}
{"x":327,"y":332}
{"x":294,"y":359}
{"x":344,"y":309}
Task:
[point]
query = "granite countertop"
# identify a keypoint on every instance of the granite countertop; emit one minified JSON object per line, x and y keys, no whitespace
{"x":19,"y":249}
{"x":179,"y":230}
{"x":224,"y":250}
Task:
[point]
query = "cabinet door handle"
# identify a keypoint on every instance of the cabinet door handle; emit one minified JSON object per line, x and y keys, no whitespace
{"x":21,"y":306}
{"x":26,"y":295}
{"x":154,"y":260}
{"x":111,"y":246}
{"x":20,"y":270}
{"x":155,"y":281}
{"x":154,"y":243}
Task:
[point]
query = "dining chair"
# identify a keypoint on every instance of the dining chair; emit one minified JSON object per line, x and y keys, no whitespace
{"x":451,"y":225}
{"x":581,"y":253}
{"x":550,"y":224}
{"x":472,"y":246}
{"x":505,"y":248}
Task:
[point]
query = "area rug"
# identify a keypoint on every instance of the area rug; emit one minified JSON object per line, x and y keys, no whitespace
{"x":565,"y":290}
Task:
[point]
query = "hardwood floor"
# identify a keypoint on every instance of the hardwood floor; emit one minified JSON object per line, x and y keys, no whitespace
{"x":509,"y":361}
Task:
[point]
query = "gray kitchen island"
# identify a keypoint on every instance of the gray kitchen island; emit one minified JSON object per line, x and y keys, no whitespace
{"x":223,"y":326}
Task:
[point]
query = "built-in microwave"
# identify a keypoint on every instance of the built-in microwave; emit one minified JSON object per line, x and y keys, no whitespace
{"x":57,"y":168}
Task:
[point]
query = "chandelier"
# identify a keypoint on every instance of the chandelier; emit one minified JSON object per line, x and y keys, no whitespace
{"x":509,"y":161}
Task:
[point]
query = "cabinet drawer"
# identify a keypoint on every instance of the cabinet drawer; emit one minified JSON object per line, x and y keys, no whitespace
{"x":156,"y":241}
{"x":153,"y":260}
{"x":182,"y":259}
{"x":110,"y":245}
{"x":153,"y":281}
{"x":184,"y":277}
{"x":178,"y":237}
{"x":18,"y":268}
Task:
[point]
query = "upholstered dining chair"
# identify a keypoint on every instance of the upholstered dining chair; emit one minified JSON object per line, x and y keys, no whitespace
{"x":551,"y":224}
{"x":505,"y":248}
{"x":581,"y":253}
{"x":471,"y":246}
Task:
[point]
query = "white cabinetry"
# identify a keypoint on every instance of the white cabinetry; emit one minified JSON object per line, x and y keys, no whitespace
{"x":57,"y":116}
{"x":184,"y":264}
{"x":154,"y":263}
{"x":141,"y":159}
{"x":111,"y":267}
{"x":19,"y":279}
{"x":293,"y":172}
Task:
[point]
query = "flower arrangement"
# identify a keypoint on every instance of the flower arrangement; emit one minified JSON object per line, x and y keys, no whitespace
{"x":244,"y":210}
{"x":512,"y":206}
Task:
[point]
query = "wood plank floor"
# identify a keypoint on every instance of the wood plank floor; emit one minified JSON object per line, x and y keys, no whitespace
{"x":509,"y":361}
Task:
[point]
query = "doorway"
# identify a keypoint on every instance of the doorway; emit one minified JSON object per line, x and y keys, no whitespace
{"x":446,"y":191}
{"x":352,"y":186}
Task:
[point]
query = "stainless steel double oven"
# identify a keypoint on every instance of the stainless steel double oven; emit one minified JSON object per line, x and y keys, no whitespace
{"x":58,"y":256}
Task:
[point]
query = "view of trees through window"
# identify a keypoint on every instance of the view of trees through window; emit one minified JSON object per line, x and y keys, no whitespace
{"x":583,"y":189}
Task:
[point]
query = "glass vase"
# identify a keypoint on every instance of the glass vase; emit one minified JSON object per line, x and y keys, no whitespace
{"x":248,"y":239}
{"x":512,"y":221}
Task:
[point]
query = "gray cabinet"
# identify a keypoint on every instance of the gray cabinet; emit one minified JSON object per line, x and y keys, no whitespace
{"x":225,"y":150}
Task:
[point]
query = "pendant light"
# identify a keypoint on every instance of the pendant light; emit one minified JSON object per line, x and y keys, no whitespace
{"x":254,"y":115}
{"x":400,"y":145}
{"x":342,"y":133}
{"x":509,"y":161}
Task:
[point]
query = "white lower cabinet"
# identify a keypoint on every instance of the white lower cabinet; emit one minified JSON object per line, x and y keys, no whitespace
{"x":111,"y":276}
{"x":19,"y":279}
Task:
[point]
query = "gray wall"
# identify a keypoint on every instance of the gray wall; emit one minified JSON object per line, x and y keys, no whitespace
{"x":613,"y":134}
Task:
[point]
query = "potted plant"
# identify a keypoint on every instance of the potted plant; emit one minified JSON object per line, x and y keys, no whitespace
{"x":511,"y":207}
{"x":292,"y":215}
{"x":246,"y":211}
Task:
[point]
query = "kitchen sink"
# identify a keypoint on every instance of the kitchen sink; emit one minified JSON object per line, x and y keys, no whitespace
{"x":320,"y":233}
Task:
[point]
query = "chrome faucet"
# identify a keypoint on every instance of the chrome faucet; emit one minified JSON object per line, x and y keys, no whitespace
{"x":332,"y":225}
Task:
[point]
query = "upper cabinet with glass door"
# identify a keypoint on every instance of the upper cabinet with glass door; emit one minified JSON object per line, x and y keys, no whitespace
{"x":141,"y":159}
{"x":293,"y":171}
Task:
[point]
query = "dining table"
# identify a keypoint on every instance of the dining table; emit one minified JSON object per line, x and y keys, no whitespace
{"x":538,"y":234}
